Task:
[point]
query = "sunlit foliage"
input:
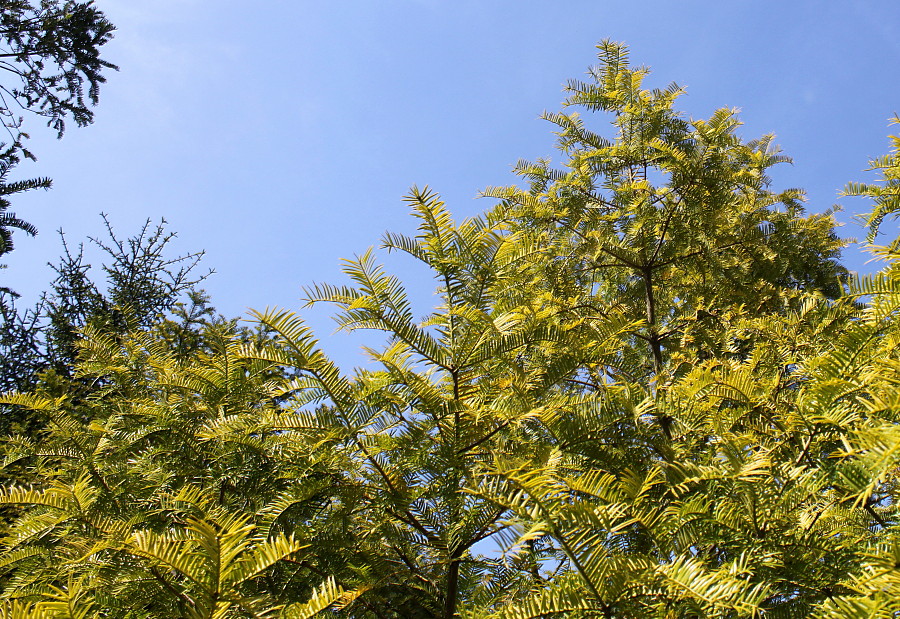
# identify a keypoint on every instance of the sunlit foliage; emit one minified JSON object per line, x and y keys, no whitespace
{"x":647,"y":389}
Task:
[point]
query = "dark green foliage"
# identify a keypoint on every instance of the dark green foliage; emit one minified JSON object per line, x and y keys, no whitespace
{"x":143,"y":286}
{"x":9,"y":221}
{"x":51,"y":67}
{"x":9,"y":157}
{"x":51,"y":54}
{"x":142,"y":283}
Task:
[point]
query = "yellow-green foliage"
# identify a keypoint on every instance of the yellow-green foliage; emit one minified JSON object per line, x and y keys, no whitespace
{"x":647,"y":390}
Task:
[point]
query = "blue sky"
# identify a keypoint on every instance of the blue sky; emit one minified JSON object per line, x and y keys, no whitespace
{"x":280,"y":136}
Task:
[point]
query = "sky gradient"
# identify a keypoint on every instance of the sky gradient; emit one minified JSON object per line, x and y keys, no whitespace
{"x":280,"y":137}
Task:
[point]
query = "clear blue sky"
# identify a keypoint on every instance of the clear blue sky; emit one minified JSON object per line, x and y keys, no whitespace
{"x":280,"y":136}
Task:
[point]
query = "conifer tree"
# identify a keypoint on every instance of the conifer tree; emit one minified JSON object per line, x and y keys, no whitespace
{"x":886,"y":192}
{"x":51,"y":67}
{"x":671,"y":220}
{"x":648,"y":389}
{"x":50,"y":53}
{"x":144,"y":286}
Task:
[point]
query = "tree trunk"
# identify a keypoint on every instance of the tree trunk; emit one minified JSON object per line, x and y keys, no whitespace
{"x":452,"y":589}
{"x":653,"y":337}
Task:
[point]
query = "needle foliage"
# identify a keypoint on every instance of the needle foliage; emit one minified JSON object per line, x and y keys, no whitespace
{"x":647,"y":388}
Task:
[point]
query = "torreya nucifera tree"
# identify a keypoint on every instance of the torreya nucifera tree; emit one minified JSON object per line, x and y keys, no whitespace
{"x":647,"y":390}
{"x":670,"y":219}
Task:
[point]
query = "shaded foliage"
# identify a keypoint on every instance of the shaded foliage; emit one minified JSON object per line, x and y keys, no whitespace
{"x":143,"y":286}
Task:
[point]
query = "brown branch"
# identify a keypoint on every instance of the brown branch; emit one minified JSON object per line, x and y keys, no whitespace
{"x":482,"y":439}
{"x":171,"y":588}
